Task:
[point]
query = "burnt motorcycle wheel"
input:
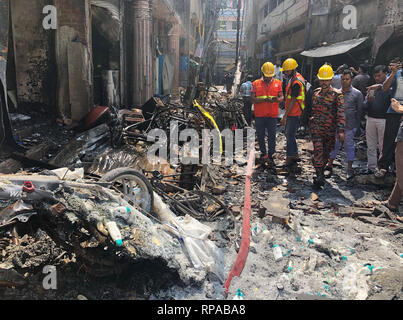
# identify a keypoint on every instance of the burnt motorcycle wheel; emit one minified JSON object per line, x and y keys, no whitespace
{"x":134,"y":185}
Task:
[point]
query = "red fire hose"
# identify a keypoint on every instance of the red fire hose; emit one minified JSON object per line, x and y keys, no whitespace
{"x":245,"y":241}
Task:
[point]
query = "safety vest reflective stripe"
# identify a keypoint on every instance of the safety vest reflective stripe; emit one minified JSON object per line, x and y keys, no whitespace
{"x":265,"y":97}
{"x":300,"y":98}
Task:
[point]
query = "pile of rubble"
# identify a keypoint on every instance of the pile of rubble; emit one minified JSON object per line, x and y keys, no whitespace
{"x":57,"y":212}
{"x":339,"y":243}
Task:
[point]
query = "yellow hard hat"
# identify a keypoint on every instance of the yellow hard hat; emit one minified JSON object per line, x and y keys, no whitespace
{"x":326,"y":73}
{"x":268,"y":70}
{"x":289,"y":64}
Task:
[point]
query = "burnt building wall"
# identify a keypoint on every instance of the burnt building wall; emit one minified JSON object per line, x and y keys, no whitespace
{"x":73,"y":57}
{"x":33,"y":53}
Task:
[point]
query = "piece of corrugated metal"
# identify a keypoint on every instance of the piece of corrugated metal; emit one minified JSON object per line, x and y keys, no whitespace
{"x":334,"y":49}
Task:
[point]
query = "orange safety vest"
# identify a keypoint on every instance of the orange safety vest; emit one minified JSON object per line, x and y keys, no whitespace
{"x":264,"y":91}
{"x":297,"y":111}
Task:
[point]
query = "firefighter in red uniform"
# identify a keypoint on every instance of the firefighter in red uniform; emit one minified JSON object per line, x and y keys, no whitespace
{"x":326,"y":118}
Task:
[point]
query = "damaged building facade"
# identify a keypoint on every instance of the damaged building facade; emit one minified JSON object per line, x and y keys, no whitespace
{"x":227,"y":36}
{"x":113,"y":52}
{"x":316,"y":31}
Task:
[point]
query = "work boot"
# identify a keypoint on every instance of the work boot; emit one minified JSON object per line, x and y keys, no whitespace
{"x":270,"y":162}
{"x":319,"y":180}
{"x":381,"y":173}
{"x":289,"y":162}
{"x":297,"y":158}
{"x":350,"y":174}
{"x":271,"y":165}
{"x":263,"y":159}
{"x":328,"y":172}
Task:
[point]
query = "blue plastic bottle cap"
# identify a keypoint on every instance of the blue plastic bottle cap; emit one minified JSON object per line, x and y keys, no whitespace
{"x":128,"y":210}
{"x":344,"y":258}
{"x":119,"y":243}
{"x":371,"y":267}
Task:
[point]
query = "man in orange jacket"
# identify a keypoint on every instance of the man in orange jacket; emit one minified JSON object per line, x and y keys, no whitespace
{"x":266,"y":95}
{"x":294,"y":105}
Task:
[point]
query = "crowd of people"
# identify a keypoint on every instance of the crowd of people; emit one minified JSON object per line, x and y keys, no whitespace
{"x":333,"y":109}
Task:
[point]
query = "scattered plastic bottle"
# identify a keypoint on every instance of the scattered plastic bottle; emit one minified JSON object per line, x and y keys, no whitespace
{"x":277,"y":252}
{"x":267,"y":236}
{"x":114,"y":233}
{"x":239,"y":295}
{"x":122,"y":210}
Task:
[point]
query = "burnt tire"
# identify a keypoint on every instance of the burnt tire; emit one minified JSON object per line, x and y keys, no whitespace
{"x":134,"y":185}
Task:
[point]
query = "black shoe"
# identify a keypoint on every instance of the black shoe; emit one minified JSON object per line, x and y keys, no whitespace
{"x":297,"y":159}
{"x":318,"y":182}
{"x":263,"y":159}
{"x":350,"y":174}
{"x":271,"y":165}
{"x":381,"y":173}
{"x":270,"y":162}
{"x":328,"y":172}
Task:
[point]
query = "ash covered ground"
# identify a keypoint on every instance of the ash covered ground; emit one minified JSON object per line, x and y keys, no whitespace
{"x":337,"y":243}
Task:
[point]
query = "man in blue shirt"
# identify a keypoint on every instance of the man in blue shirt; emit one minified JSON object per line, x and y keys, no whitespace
{"x":392,"y":122}
{"x":246,"y":89}
{"x":336,"y":83}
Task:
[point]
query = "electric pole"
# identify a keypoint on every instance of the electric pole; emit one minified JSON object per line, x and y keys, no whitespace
{"x":238,"y":32}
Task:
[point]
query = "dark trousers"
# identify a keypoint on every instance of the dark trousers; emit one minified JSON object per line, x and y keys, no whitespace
{"x":291,"y":131}
{"x":269,"y":124}
{"x":247,"y":110}
{"x":389,"y":144}
{"x":323,"y":143}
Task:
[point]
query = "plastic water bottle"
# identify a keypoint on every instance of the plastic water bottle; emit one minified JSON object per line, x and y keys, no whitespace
{"x":122,"y":210}
{"x":268,"y":237}
{"x":277,"y":252}
{"x":114,"y":233}
{"x":239,"y":295}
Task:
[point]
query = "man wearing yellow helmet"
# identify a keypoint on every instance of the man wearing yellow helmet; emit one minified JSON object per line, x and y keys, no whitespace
{"x":294,"y":105}
{"x":327,"y":117}
{"x":266,"y":95}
